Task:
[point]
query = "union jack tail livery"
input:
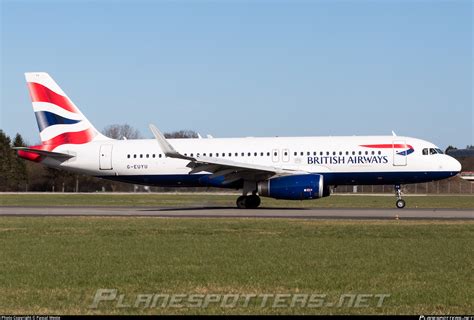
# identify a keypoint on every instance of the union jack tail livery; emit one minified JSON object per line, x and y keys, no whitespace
{"x":59,"y":120}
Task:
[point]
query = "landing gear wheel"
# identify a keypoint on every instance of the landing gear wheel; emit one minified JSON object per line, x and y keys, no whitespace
{"x":252,"y":202}
{"x":248,"y":202}
{"x":241,"y":202}
{"x":400,"y":203}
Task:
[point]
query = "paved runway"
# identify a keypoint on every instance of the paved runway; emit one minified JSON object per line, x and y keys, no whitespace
{"x":225,"y":212}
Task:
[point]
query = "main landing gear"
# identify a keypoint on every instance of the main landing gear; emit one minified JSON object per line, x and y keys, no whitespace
{"x":400,"y":202}
{"x":248,"y":202}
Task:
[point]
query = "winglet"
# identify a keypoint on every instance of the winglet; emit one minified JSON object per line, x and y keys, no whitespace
{"x":394,"y":134}
{"x":166,"y":146}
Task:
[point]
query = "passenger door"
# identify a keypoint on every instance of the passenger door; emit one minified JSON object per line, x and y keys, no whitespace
{"x":105,"y":157}
{"x":399,"y":159}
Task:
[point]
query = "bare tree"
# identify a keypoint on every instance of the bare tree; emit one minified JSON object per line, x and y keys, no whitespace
{"x":120,"y":131}
{"x":183,"y":134}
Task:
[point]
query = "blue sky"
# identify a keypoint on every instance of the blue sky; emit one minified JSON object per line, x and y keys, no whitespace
{"x":238,"y":68}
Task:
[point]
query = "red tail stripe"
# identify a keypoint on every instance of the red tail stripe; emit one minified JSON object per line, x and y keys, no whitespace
{"x":68,"y":137}
{"x":79,"y":137}
{"x":40,"y":93}
{"x":382,"y":146}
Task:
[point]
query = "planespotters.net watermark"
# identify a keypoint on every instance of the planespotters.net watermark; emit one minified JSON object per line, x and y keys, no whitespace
{"x":234,"y":300}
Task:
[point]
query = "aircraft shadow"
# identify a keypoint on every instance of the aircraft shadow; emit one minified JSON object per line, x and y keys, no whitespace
{"x":221,"y":208}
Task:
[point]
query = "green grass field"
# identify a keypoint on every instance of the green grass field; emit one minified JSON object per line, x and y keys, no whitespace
{"x":54,"y":265}
{"x":175,"y":200}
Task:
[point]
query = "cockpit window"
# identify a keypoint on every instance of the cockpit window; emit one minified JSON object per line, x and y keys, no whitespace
{"x":430,"y":151}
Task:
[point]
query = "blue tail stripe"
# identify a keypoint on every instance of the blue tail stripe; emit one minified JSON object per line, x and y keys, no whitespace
{"x":46,"y":119}
{"x":406,"y":152}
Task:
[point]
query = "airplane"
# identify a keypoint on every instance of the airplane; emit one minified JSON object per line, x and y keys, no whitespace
{"x":292,"y":168}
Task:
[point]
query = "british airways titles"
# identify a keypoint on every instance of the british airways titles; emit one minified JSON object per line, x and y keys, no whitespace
{"x":347,"y":159}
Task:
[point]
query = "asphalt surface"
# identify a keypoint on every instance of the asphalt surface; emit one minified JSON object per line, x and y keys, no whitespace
{"x":226,"y":212}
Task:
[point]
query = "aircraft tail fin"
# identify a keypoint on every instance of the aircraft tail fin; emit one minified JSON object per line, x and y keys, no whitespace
{"x":59,"y":120}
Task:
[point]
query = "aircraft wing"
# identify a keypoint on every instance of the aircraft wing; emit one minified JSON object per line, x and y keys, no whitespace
{"x":231,"y":170}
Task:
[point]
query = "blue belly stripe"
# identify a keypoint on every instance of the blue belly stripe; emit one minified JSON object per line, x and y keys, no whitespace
{"x":332,"y":178}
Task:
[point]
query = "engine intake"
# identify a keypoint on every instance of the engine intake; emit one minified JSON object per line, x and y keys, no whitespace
{"x":296,"y":187}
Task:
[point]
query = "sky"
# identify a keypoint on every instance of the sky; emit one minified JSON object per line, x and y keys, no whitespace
{"x":248,"y":68}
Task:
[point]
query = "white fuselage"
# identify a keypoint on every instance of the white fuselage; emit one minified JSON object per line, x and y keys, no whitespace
{"x":341,"y":160}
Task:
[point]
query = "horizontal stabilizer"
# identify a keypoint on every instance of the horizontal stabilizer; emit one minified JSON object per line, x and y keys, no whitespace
{"x":45,"y":153}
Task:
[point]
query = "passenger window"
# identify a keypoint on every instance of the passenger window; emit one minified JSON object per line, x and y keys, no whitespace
{"x":367,"y":152}
{"x":327,"y":153}
{"x":314,"y":153}
{"x":340,"y":153}
{"x":242,"y":154}
{"x":261,"y":154}
{"x":210,"y":154}
{"x":308,"y":153}
{"x":147,"y":155}
{"x":153,"y":155}
{"x":255,"y":154}
{"x":295,"y":154}
{"x":353,"y":153}
{"x":223,"y":154}
{"x":380,"y":152}
{"x":347,"y":153}
{"x":334,"y":153}
{"x":302,"y":153}
{"x":141,"y":156}
{"x":134,"y":155}
{"x":321,"y":153}
{"x":159,"y":155}
{"x":249,"y":154}
{"x":268,"y":154}
{"x":275,"y":154}
{"x":286,"y":153}
{"x":192,"y":155}
{"x":373,"y":152}
{"x":360,"y":152}
{"x":230,"y":154}
{"x":236,"y":154}
{"x":128,"y":156}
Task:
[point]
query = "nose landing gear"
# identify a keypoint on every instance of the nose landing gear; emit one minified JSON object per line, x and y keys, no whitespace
{"x":400,"y":203}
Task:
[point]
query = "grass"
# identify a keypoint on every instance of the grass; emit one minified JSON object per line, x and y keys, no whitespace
{"x":176,"y":200}
{"x":54,"y":265}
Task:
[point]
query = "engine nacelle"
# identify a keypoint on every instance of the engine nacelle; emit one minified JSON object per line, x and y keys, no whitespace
{"x":296,"y":187}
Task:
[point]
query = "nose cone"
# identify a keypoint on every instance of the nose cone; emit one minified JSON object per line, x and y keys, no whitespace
{"x":454,"y":165}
